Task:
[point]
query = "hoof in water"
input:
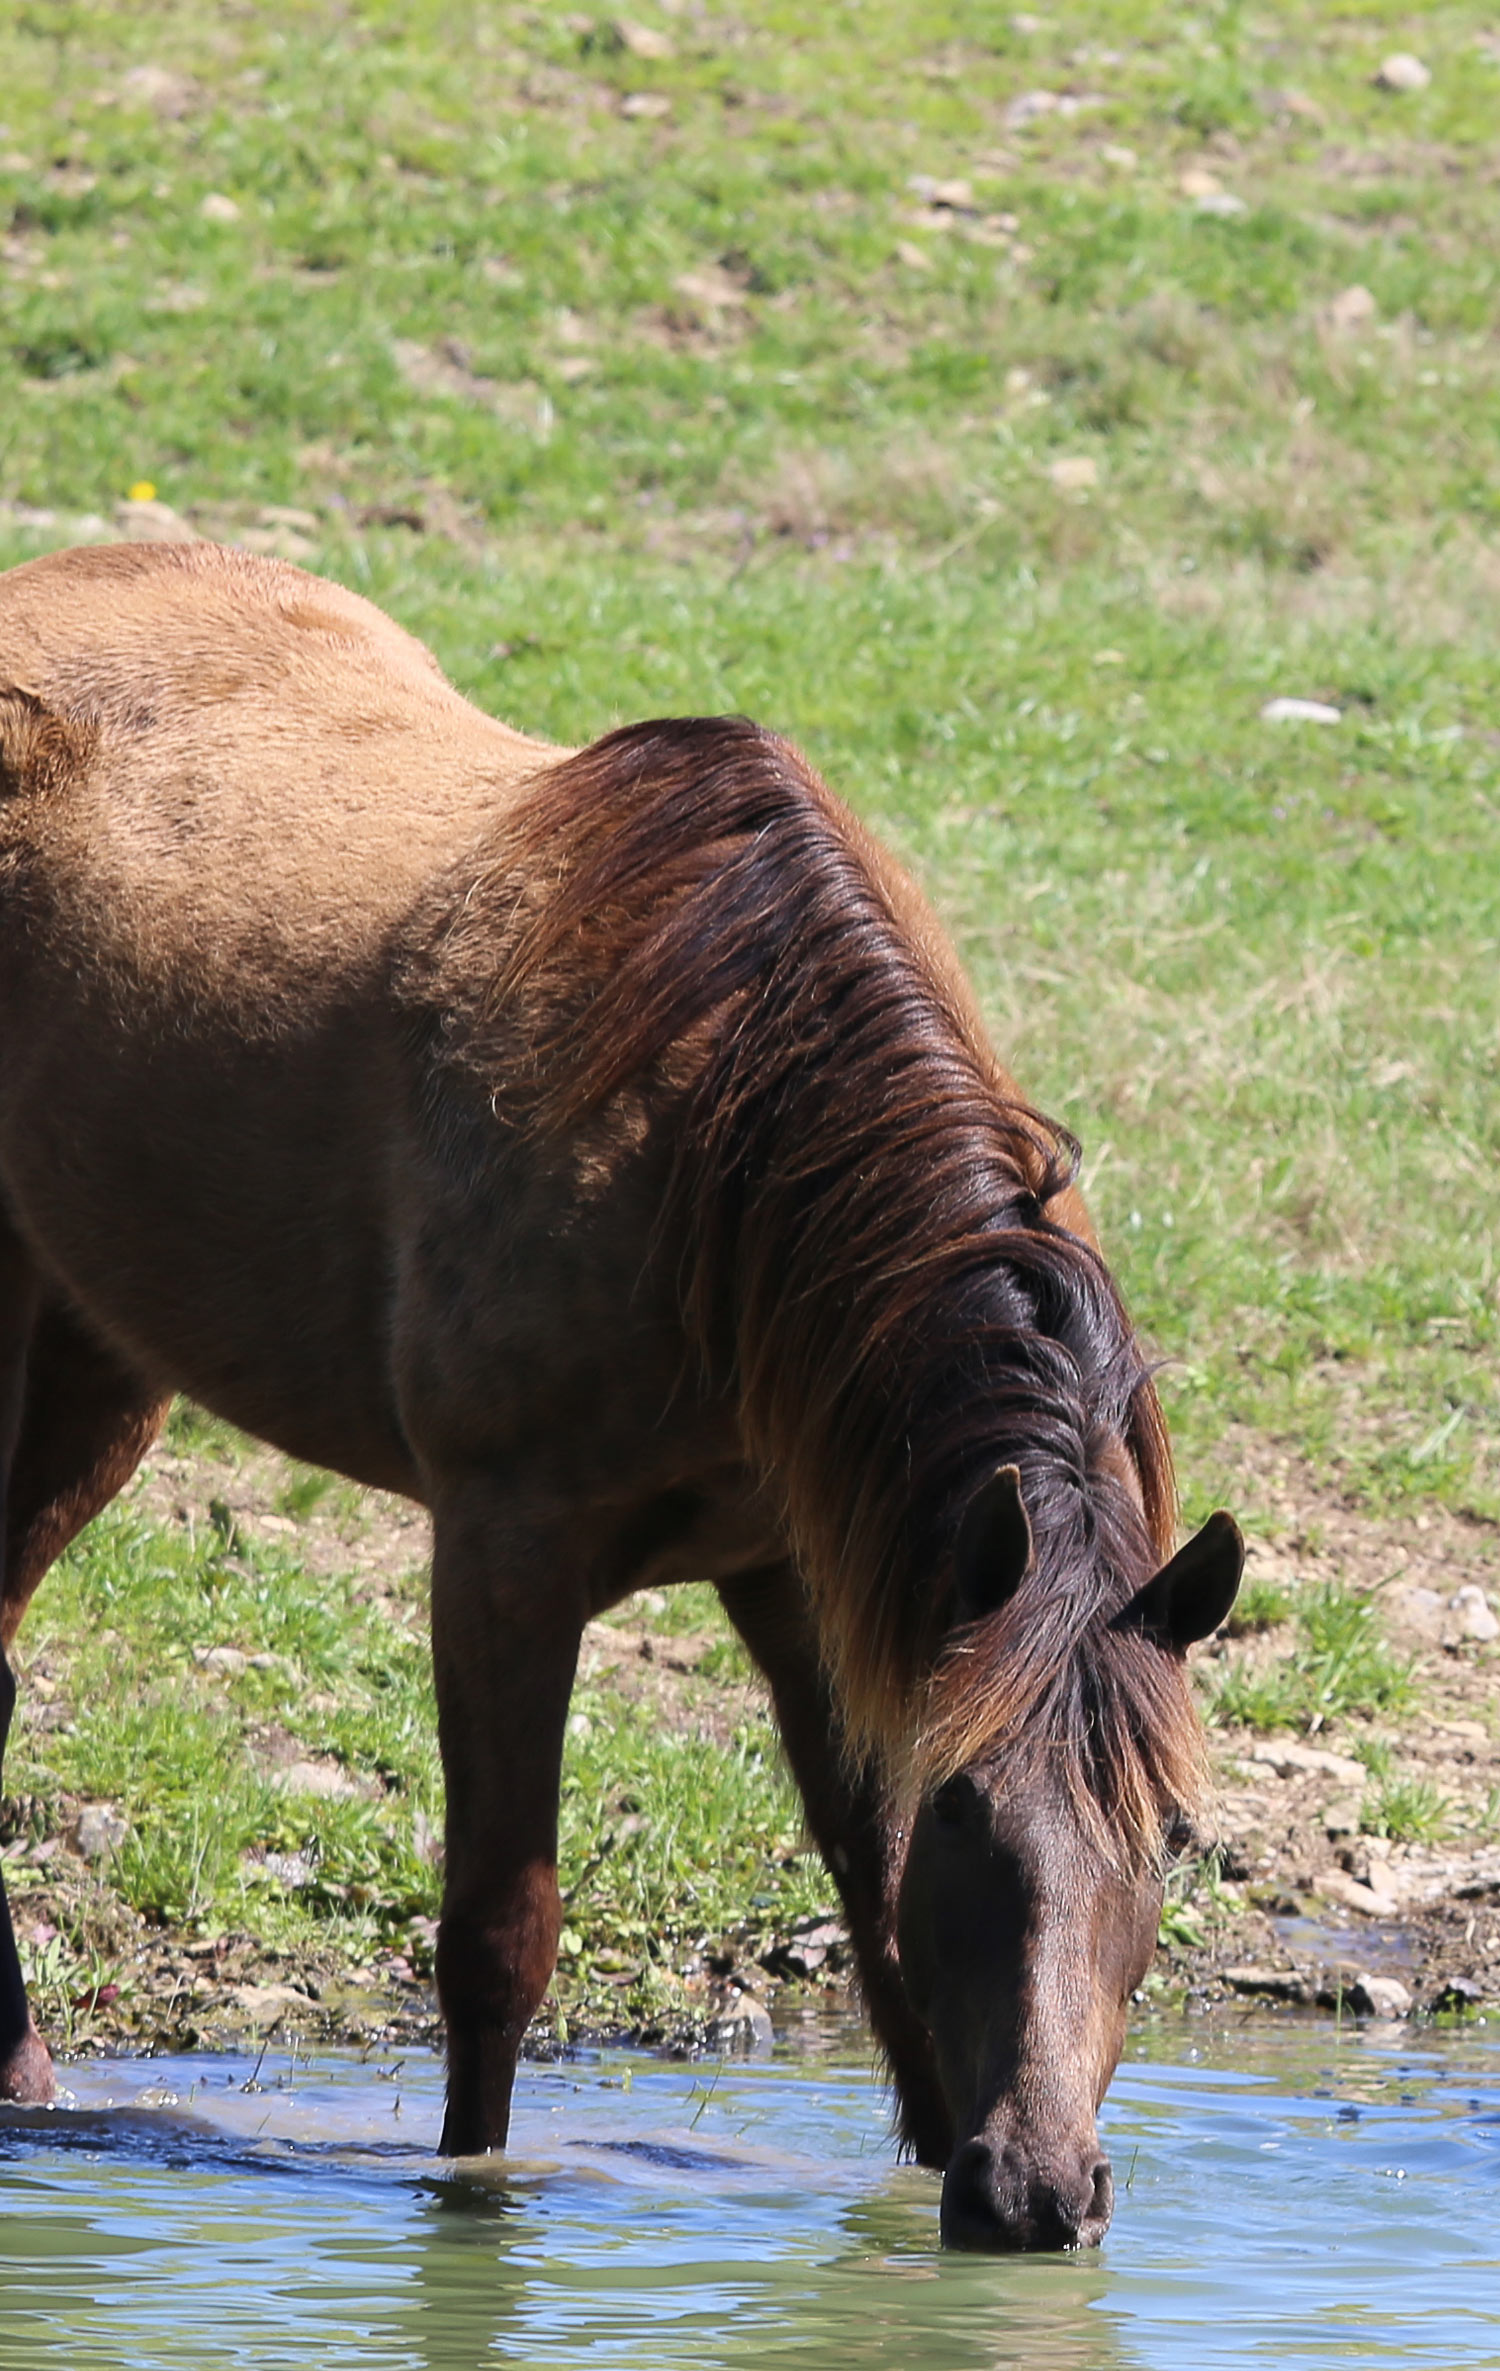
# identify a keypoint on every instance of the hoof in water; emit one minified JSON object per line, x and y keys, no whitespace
{"x":26,"y":2077}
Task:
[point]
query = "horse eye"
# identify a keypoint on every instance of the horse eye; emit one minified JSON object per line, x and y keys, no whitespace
{"x":952,"y":1804}
{"x":1180,"y":1836}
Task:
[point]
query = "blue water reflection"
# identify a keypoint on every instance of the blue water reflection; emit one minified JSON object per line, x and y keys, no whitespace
{"x":1289,"y":2196}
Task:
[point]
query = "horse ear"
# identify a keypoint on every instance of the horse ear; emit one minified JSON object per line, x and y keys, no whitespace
{"x":994,"y":1546}
{"x":1192,"y":1595}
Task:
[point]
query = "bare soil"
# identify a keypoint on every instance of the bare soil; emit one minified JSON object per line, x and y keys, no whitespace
{"x":1310,"y":1900}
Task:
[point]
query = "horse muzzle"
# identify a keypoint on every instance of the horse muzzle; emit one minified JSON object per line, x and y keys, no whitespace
{"x":995,"y":2201}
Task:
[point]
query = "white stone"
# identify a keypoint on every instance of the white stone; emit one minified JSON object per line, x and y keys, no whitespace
{"x":1378,"y":1996}
{"x":315,"y":1778}
{"x":1402,"y":72}
{"x":99,"y":1830}
{"x":1028,"y":107}
{"x":1352,"y":308}
{"x":744,"y":2024}
{"x":1475,"y":1617}
{"x":643,"y":41}
{"x":1074,"y":473}
{"x":1286,"y":711}
{"x":153,"y":522}
{"x":1305,"y":1761}
{"x":216,"y":207}
{"x":228,"y":1661}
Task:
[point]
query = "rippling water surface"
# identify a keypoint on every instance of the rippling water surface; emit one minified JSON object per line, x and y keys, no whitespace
{"x":1290,"y":2196}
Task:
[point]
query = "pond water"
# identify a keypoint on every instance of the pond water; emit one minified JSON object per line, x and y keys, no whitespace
{"x":1289,"y":2195}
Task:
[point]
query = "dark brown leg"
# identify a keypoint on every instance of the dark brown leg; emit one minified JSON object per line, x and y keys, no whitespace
{"x":86,"y":1423}
{"x":507,"y":1615}
{"x":25,"y":2068}
{"x":853,"y":1831}
{"x":74,"y":1425}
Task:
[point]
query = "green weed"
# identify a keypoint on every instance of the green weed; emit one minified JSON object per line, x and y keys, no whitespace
{"x":1409,"y":1811}
{"x":1340,"y":1665}
{"x":1260,"y":1605}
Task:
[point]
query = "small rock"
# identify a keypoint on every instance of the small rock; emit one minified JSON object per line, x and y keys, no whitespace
{"x":1342,"y":1818}
{"x":1366,"y":1996}
{"x":1402,"y":72}
{"x":1352,"y":308}
{"x":1208,"y":193}
{"x":216,"y":207}
{"x":814,"y":1944}
{"x":956,"y":196}
{"x":228,"y":1661}
{"x":1074,"y":473}
{"x":171,"y":95}
{"x":645,"y":106}
{"x":644,"y":41}
{"x":915,"y":258}
{"x":1277,"y":1984}
{"x":1421,"y":1610}
{"x":1283,"y":711}
{"x":99,"y":1831}
{"x":267,"y":2004}
{"x":290,"y":1869}
{"x":711,"y":286}
{"x":1473,"y":1615}
{"x":1028,"y":107}
{"x":1298,"y":1761}
{"x":153,"y":522}
{"x":1458,"y":1994}
{"x":1379,"y":1996}
{"x":1336,"y":1885}
{"x":743,"y":2024}
{"x":329,"y":1779}
{"x":1124,"y":160}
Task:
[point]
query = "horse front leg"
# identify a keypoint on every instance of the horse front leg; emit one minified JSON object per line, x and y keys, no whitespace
{"x":507,"y":1616}
{"x":853,"y":1829}
{"x":25,"y":2065}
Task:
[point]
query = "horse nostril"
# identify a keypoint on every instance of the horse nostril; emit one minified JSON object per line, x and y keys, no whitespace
{"x":994,"y":2203}
{"x":970,"y":2215}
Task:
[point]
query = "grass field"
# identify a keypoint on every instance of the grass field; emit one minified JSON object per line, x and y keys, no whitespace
{"x":1008,"y":407}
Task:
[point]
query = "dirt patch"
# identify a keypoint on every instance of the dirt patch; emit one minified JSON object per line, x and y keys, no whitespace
{"x":1310,"y":1894}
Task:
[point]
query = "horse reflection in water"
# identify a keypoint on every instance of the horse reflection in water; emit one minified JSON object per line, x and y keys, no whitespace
{"x":603,"y":1148}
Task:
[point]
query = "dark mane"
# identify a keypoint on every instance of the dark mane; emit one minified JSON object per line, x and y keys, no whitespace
{"x":878,"y":1266}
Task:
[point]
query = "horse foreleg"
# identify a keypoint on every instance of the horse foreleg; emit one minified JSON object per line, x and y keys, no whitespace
{"x":86,"y":1422}
{"x":25,"y":2067}
{"x":853,"y":1830}
{"x":507,"y":1616}
{"x":74,"y":1425}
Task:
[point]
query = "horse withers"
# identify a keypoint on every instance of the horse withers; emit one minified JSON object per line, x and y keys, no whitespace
{"x":601,"y":1147}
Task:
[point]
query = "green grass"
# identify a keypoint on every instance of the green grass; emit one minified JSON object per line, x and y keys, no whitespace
{"x":669,"y":1843}
{"x":1341,"y":1664}
{"x":1261,"y":1605}
{"x":712,"y":407}
{"x":1409,"y":1811}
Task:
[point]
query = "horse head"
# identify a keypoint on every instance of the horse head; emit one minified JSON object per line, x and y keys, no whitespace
{"x":1032,"y":1891}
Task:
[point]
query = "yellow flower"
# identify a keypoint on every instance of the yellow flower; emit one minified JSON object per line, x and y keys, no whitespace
{"x":141,"y":491}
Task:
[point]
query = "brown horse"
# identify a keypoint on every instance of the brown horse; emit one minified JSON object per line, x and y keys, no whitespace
{"x":602,"y":1148}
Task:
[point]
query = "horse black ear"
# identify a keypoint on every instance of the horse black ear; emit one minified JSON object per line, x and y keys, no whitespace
{"x":994,"y":1547}
{"x":1192,"y":1594}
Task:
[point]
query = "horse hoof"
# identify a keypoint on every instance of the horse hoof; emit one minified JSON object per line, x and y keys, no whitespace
{"x":26,"y":2077}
